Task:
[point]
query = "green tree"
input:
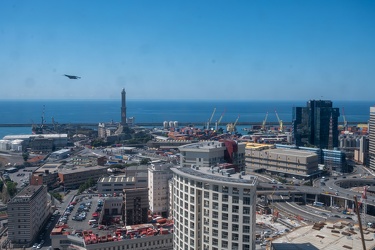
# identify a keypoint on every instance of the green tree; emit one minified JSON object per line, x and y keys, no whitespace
{"x":25,"y":156}
{"x":57,"y":196}
{"x":12,"y":188}
{"x":145,"y":161}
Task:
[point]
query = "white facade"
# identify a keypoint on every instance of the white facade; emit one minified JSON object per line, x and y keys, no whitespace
{"x":158,"y":190}
{"x":5,"y":144}
{"x":372,"y":138}
{"x":202,"y":154}
{"x":213,"y":211}
{"x":27,"y":212}
{"x":116,"y":184}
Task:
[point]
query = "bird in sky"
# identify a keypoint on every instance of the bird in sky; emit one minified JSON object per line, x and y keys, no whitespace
{"x":73,"y":77}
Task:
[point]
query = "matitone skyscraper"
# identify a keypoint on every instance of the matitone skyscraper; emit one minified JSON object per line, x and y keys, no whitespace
{"x":123,"y":107}
{"x":316,"y":124}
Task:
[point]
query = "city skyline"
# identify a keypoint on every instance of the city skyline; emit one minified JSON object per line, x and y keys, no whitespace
{"x":257,"y":50}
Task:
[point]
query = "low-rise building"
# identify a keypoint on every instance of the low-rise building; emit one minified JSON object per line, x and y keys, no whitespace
{"x":288,"y":162}
{"x":37,"y":142}
{"x":211,"y":153}
{"x":73,"y":177}
{"x":46,"y":175}
{"x":116,"y":184}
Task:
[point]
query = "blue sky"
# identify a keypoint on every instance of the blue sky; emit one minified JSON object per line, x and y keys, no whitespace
{"x":248,"y":50}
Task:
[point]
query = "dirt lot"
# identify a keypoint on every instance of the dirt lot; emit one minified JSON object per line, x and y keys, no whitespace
{"x":10,"y":158}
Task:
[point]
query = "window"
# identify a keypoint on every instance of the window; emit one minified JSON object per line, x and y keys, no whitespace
{"x":246,"y":210}
{"x":224,"y":226}
{"x":224,"y":216}
{"x":206,"y":194}
{"x":215,"y":197}
{"x":215,"y":224}
{"x":225,"y":207}
{"x":235,"y":227}
{"x":235,"y":199}
{"x":215,"y":233}
{"x":214,"y":242}
{"x":234,"y":236}
{"x":246,"y":219}
{"x":235,"y":209}
{"x":235,"y":218}
{"x":215,"y":215}
{"x":225,"y":197}
{"x":235,"y":191}
{"x":224,"y":235}
{"x":215,"y":188}
{"x":215,"y":205}
{"x":246,"y":200}
{"x":246,"y":229}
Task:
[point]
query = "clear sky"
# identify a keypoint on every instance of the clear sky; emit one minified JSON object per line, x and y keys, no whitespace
{"x":196,"y":49}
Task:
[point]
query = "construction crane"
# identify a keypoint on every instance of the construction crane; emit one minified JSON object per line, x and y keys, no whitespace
{"x":209,"y":121}
{"x":345,"y":122}
{"x":264,"y":122}
{"x":359,"y":222}
{"x":281,"y":128}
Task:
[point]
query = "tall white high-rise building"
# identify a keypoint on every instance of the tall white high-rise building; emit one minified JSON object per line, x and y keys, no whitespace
{"x":158,"y":188}
{"x":213,"y":209}
{"x":372,"y":138}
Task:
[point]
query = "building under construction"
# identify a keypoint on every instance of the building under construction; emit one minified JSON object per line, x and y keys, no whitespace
{"x":135,"y":206}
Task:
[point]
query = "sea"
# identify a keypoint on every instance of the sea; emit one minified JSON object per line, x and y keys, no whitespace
{"x":158,"y":111}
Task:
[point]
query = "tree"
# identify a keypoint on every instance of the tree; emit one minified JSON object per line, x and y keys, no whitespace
{"x":1,"y":186}
{"x":145,"y":161}
{"x":25,"y":156}
{"x":11,"y":187}
{"x":56,"y":195}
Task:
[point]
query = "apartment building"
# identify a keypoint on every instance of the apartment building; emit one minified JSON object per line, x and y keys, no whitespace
{"x":27,"y":212}
{"x":158,"y":193}
{"x":213,"y":210}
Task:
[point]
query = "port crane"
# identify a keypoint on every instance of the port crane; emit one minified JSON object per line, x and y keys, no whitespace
{"x":209,"y":121}
{"x":218,"y":122}
{"x":231,"y":127}
{"x":264,"y":122}
{"x":281,"y":128}
{"x":345,"y":121}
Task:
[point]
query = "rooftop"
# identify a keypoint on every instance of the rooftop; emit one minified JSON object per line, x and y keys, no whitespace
{"x":258,"y":146}
{"x":14,"y":137}
{"x":292,"y":152}
{"x":203,"y":145}
{"x":217,"y":174}
{"x":329,"y":237}
{"x":78,"y":169}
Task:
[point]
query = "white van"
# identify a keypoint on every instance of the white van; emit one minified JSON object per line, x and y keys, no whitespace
{"x":92,"y":222}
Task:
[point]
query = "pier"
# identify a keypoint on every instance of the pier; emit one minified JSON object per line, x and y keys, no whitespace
{"x":160,"y":124}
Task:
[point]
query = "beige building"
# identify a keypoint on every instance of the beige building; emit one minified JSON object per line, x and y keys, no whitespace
{"x":212,"y":153}
{"x":73,"y":177}
{"x":202,"y":154}
{"x":213,"y":210}
{"x":27,"y":212}
{"x":158,"y":192}
{"x":116,"y":184}
{"x":284,"y":161}
{"x":159,"y":242}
